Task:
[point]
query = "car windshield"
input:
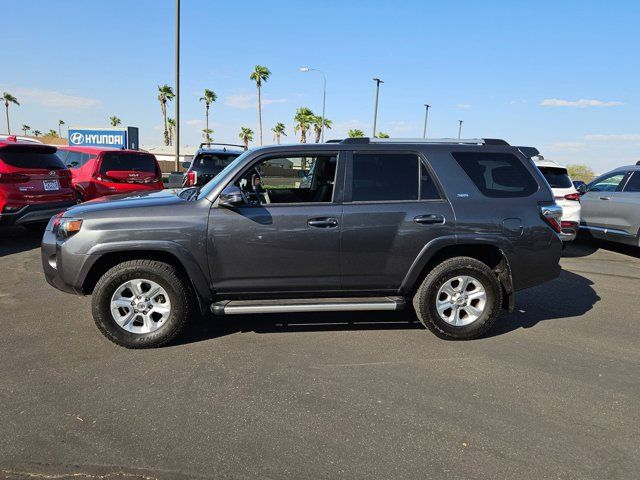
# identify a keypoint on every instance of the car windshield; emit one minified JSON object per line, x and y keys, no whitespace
{"x":31,"y":157}
{"x":213,"y":183}
{"x":556,"y":176}
{"x":212,"y":164}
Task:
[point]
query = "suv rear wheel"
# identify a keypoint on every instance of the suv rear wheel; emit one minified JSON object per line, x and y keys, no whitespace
{"x":460,"y":299}
{"x":142,"y":303}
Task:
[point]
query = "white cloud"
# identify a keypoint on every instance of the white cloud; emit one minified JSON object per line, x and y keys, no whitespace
{"x":245,"y":101}
{"x":195,"y":122}
{"x":622,"y":137}
{"x":463,"y":105}
{"x":582,"y":103}
{"x":54,"y":99}
{"x":571,"y":147}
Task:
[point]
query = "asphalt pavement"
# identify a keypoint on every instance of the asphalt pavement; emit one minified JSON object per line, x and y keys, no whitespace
{"x":552,"y":393}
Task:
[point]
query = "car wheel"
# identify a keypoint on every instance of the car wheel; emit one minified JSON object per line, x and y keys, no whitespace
{"x":142,"y":303}
{"x":79,"y":197}
{"x":460,"y":299}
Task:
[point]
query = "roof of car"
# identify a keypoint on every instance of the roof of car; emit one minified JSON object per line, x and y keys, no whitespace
{"x":6,"y":142}
{"x":547,"y":163}
{"x":220,"y":150}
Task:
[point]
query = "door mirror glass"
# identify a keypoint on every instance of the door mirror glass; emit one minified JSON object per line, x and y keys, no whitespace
{"x":582,"y":189}
{"x":231,"y":197}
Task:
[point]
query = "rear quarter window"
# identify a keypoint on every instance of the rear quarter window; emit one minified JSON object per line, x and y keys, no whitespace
{"x":31,"y":157}
{"x":556,"y":176}
{"x":497,"y":175}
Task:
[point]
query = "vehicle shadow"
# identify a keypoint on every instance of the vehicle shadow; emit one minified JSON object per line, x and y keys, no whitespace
{"x":18,"y":239}
{"x":570,"y":295}
{"x":585,"y":246}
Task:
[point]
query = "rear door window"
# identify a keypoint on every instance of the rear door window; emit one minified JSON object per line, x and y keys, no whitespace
{"x":31,"y":157}
{"x":127,"y":162}
{"x":556,"y":176}
{"x":497,"y":175}
{"x":633,"y":184}
{"x":385,"y":177}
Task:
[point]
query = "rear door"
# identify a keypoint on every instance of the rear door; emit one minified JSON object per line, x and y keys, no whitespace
{"x":624,"y":206}
{"x":393,"y":208}
{"x":596,"y":203}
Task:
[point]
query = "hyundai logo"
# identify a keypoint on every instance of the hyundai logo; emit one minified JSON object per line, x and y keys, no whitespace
{"x":76,"y":138}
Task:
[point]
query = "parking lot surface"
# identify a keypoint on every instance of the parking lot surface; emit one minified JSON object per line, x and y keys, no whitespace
{"x":553,"y":392}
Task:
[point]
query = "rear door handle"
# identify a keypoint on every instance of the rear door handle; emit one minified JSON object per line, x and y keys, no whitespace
{"x":605,"y":198}
{"x":328,"y":222}
{"x":431,"y":219}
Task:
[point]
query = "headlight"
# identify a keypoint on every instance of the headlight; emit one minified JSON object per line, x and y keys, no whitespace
{"x":66,"y":227}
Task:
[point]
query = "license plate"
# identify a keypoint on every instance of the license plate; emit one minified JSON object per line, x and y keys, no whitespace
{"x":50,"y":185}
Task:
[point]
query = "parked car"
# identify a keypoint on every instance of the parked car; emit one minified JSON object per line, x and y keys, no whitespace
{"x":453,"y":227}
{"x":208,"y":162}
{"x":611,"y":206}
{"x":34,"y":183}
{"x":100,"y":171}
{"x":565,"y":194}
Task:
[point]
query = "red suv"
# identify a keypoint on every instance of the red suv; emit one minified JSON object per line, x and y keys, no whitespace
{"x":100,"y":171}
{"x":34,"y":183}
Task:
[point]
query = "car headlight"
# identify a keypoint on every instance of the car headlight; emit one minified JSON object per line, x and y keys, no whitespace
{"x":66,"y":227}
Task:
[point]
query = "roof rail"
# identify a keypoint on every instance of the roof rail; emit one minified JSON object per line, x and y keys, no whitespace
{"x":223,"y":144}
{"x":457,"y":141}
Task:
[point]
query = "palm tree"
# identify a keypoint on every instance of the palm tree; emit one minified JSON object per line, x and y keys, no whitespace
{"x":25,"y":128}
{"x":278,"y":131}
{"x":37,"y":133}
{"x":302,"y":121}
{"x":115,"y":121}
{"x":246,"y":135}
{"x":317,"y":126}
{"x":260,"y":74}
{"x":209,"y":97}
{"x":8,"y":98}
{"x":206,"y":133}
{"x":356,"y":133}
{"x":165,"y":94}
{"x":172,"y":129}
{"x":52,"y":133}
{"x":382,"y":135}
{"x":60,"y":123}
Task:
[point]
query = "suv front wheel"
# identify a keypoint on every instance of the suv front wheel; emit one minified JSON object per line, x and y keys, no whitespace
{"x":460,"y":299}
{"x":141,"y":303}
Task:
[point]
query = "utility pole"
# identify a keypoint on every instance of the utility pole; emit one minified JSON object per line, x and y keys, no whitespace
{"x":460,"y":122}
{"x":426,"y":115}
{"x":177,"y":73}
{"x":375,"y":110}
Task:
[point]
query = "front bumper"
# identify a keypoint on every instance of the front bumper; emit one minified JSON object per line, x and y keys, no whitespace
{"x":34,"y":213}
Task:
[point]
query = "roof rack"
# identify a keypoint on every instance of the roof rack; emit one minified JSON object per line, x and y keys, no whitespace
{"x":223,"y":144}
{"x":457,"y":141}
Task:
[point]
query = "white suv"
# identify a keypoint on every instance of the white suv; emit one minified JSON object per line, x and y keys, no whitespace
{"x":565,"y":194}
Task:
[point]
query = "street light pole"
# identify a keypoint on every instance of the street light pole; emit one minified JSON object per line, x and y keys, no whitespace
{"x":460,"y":122}
{"x":324,"y":96}
{"x":375,"y":111}
{"x":177,"y":80}
{"x":426,"y":115}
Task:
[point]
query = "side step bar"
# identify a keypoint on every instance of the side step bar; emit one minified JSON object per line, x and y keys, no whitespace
{"x":242,"y":307}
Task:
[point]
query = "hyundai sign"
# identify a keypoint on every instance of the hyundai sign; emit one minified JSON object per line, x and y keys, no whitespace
{"x":125,"y":137}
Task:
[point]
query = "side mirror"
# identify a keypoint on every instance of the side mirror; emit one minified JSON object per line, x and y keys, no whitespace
{"x":582,"y":189}
{"x":186,"y":165}
{"x":231,"y":197}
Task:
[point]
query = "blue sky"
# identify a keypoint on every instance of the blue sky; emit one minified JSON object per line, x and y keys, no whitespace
{"x":562,"y":76}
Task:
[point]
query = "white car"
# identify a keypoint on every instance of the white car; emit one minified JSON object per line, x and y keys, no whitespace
{"x":565,"y":194}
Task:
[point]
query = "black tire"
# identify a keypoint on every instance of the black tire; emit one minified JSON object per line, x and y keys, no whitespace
{"x":164,"y":274}
{"x":424,"y":301}
{"x":79,"y":197}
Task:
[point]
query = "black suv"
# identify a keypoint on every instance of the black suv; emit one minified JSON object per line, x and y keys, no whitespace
{"x":208,"y":162}
{"x":451,"y":228}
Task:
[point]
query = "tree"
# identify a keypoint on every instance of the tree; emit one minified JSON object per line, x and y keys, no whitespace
{"x":206,"y":133}
{"x":115,"y":121}
{"x":172,"y":129}
{"x":382,"y":135}
{"x":25,"y":128}
{"x":356,"y":133}
{"x":246,"y":135}
{"x":580,"y":172}
{"x":302,"y":122}
{"x":278,"y":131}
{"x":208,"y":98}
{"x":8,"y":98}
{"x":317,"y":126}
{"x":60,"y":123}
{"x":37,"y":133}
{"x":52,"y":133}
{"x":260,"y":74}
{"x":165,"y":94}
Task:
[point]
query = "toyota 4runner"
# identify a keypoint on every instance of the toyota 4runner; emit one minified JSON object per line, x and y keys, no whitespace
{"x":450,"y":228}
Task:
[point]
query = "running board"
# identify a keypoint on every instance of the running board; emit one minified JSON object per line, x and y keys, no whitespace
{"x":241,"y":307}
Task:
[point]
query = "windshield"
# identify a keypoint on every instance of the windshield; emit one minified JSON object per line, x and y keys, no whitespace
{"x":557,"y":177}
{"x":212,"y":163}
{"x":31,"y":157}
{"x":124,"y":161}
{"x":213,"y":183}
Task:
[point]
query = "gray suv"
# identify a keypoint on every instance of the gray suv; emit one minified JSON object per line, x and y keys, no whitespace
{"x":450,"y":228}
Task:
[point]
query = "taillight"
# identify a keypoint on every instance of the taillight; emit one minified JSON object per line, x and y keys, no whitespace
{"x":64,"y":173}
{"x":552,"y":214}
{"x":572,"y":196}
{"x":13,"y":178}
{"x":192,"y":178}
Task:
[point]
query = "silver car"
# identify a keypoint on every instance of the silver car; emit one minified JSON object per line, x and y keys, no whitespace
{"x":611,"y":206}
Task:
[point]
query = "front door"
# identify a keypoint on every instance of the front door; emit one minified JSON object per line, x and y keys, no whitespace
{"x":596,"y":203}
{"x":285,"y":238}
{"x":624,"y":217}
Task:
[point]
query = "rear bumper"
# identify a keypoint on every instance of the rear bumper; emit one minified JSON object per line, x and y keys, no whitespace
{"x":34,"y":213}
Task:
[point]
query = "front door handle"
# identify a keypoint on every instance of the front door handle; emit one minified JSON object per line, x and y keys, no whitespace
{"x":431,"y":219}
{"x":605,"y":198}
{"x":328,"y":222}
